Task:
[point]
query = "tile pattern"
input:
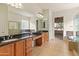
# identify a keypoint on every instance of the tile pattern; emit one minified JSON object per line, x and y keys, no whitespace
{"x":54,"y":47}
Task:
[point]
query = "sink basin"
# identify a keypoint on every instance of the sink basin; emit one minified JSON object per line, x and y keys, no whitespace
{"x":9,"y":40}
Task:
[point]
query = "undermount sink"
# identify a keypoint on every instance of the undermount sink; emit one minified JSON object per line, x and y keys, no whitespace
{"x":9,"y":40}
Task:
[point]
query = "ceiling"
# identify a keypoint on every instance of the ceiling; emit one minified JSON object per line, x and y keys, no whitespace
{"x":34,"y":8}
{"x":53,"y":6}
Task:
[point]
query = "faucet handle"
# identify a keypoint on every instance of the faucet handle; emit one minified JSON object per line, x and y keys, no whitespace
{"x":11,"y":36}
{"x":8,"y":36}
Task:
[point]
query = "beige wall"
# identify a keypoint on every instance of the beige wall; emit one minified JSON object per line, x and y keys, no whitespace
{"x":3,"y":20}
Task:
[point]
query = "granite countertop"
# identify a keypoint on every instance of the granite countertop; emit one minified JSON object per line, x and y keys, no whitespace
{"x":36,"y":37}
{"x":5,"y":42}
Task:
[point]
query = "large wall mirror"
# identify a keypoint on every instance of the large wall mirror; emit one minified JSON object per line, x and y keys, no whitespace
{"x":13,"y":27}
{"x":17,"y":24}
{"x":42,"y":25}
{"x":42,"y":21}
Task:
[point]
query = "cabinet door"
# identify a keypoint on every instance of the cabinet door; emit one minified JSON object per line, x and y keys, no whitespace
{"x":29,"y":47}
{"x":20,"y":48}
{"x":46,"y":37}
{"x":29,"y":42}
{"x":43,"y":38}
{"x":7,"y":50}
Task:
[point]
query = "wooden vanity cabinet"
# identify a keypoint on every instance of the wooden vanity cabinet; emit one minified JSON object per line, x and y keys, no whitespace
{"x":20,"y":48}
{"x":7,"y":50}
{"x":39,"y":41}
{"x":28,"y":47}
{"x":45,"y":37}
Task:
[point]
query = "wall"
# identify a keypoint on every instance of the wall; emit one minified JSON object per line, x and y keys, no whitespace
{"x":68,"y":18}
{"x":3,"y":20}
{"x":50,"y":23}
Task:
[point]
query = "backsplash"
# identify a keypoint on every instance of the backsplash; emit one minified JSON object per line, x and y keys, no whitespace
{"x":3,"y":38}
{"x":20,"y":35}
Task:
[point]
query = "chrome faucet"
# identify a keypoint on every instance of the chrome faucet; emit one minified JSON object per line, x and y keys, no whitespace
{"x":3,"y":38}
{"x":9,"y":37}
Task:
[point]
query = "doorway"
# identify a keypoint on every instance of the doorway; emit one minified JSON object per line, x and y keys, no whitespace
{"x":58,"y":27}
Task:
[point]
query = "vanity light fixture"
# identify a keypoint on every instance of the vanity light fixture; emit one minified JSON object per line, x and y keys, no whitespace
{"x":16,"y":5}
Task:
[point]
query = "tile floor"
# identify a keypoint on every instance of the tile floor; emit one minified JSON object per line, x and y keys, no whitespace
{"x":55,"y":47}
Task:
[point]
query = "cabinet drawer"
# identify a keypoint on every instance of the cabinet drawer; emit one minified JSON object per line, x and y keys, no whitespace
{"x":20,"y":48}
{"x":29,"y":43}
{"x":7,"y":50}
